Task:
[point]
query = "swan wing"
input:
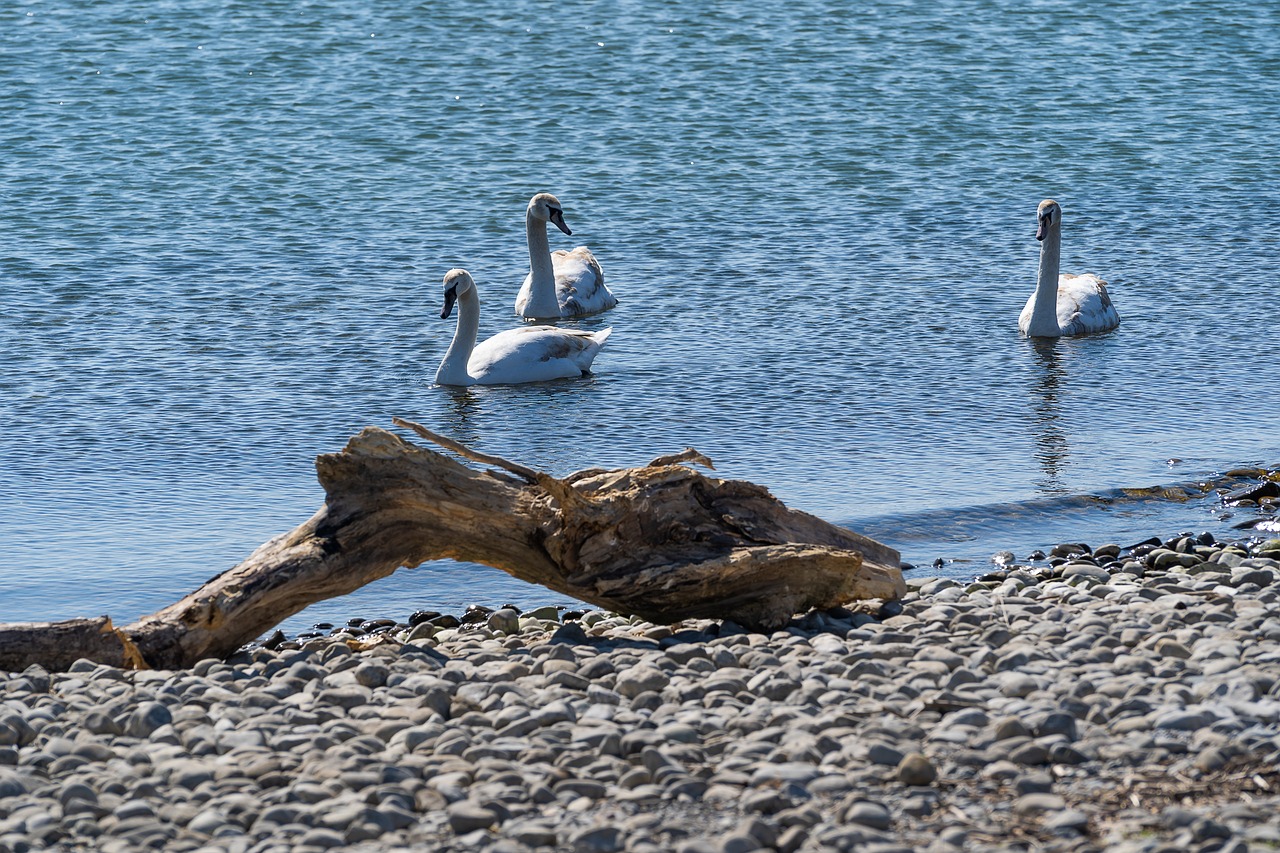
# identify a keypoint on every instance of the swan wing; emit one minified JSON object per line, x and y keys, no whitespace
{"x":1084,"y":306}
{"x":534,"y":354}
{"x":522,"y":297}
{"x":580,"y":287}
{"x":1024,"y":319}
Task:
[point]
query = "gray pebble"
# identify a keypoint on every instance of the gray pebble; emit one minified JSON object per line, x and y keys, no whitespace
{"x":149,"y":717}
{"x":736,"y":842}
{"x":599,"y":839}
{"x":1067,"y":822}
{"x":916,"y":769}
{"x":466,"y":817}
{"x":504,"y":621}
{"x":868,"y":813}
{"x":1035,"y":804}
{"x":639,"y":679}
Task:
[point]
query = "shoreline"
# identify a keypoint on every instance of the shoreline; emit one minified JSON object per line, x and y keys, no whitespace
{"x":1120,"y":700}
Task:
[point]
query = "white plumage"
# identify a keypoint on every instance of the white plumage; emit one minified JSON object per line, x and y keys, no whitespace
{"x":528,"y":354}
{"x":1063,"y":304}
{"x":560,"y":283}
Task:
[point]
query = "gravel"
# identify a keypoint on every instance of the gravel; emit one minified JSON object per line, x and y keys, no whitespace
{"x":1106,"y":699}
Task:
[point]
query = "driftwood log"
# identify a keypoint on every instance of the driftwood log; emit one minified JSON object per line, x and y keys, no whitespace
{"x":663,"y":542}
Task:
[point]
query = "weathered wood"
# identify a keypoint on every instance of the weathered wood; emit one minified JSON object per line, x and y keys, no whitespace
{"x":57,"y":645}
{"x":662,"y":541}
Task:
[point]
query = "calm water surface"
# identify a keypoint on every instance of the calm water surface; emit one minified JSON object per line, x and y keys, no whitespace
{"x":226,"y":224}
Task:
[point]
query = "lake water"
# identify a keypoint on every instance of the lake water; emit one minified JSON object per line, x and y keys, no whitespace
{"x":225,"y":226}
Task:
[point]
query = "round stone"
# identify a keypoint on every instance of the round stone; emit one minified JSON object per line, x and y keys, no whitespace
{"x":916,"y":769}
{"x":466,"y":816}
{"x":1039,"y":803}
{"x":148,"y":717}
{"x":504,"y":621}
{"x":868,"y":813}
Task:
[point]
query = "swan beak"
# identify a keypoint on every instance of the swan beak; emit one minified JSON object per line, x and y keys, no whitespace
{"x":557,"y":216}
{"x":1042,"y":228}
{"x":450,"y":296}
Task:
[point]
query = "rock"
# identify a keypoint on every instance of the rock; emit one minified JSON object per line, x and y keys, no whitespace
{"x":207,"y":822}
{"x":1171,"y":648}
{"x":1262,"y":578}
{"x":466,"y":817}
{"x":1067,"y":822}
{"x":1253,"y":492}
{"x":148,"y":717}
{"x":883,"y":753}
{"x":1036,"y":804}
{"x":1058,"y":724}
{"x":321,"y":837}
{"x":534,"y":833}
{"x":640,"y":679}
{"x":1011,"y":727}
{"x":420,"y":617}
{"x":371,"y":674}
{"x":1033,"y":783}
{"x":1018,"y":685}
{"x":598,"y":839}
{"x":1086,"y":571}
{"x":1184,"y":720}
{"x":792,"y":838}
{"x":11,"y":784}
{"x":868,"y":813}
{"x":1211,"y":760}
{"x":736,"y":842}
{"x":916,"y":769}
{"x":1030,"y":754}
{"x":504,"y":621}
{"x":424,"y":630}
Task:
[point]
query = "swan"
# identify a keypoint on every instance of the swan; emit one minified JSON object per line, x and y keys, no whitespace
{"x":1066,"y":304}
{"x":559,"y":283}
{"x":528,"y":354}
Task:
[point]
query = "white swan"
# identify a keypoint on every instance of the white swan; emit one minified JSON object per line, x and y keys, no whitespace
{"x":1066,"y":304}
{"x":528,"y":354}
{"x":559,"y":283}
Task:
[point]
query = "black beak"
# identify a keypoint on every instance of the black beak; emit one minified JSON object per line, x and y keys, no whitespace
{"x":450,"y":296}
{"x":1043,"y":228}
{"x":557,"y":216}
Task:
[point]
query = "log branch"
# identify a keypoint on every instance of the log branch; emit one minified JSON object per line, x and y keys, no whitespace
{"x":661,"y":541}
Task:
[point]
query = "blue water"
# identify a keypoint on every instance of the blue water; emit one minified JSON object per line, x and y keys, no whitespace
{"x":225,"y":226}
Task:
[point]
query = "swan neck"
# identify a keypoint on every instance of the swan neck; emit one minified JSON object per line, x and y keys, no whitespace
{"x":1044,"y":316}
{"x":453,"y":370}
{"x":542,"y":285}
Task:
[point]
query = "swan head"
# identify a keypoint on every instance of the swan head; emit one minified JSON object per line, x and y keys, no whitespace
{"x":456,"y":283}
{"x":547,"y":207}
{"x":1049,"y":215}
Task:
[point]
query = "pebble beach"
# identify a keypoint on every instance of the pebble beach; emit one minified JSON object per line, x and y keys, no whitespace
{"x":1100,"y":698}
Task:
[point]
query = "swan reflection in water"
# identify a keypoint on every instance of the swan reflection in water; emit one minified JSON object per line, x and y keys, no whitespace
{"x":1052,"y":449}
{"x":527,"y":423}
{"x":461,"y":405}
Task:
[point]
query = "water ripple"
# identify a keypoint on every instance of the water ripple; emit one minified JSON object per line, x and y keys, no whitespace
{"x":227,"y":225}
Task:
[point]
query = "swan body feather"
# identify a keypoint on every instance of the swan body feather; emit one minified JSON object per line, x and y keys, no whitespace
{"x":1083,"y":307}
{"x":1064,"y":304}
{"x":560,"y":283}
{"x":535,"y":354}
{"x":516,"y":356}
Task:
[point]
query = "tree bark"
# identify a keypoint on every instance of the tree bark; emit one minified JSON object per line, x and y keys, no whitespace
{"x":661,"y":541}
